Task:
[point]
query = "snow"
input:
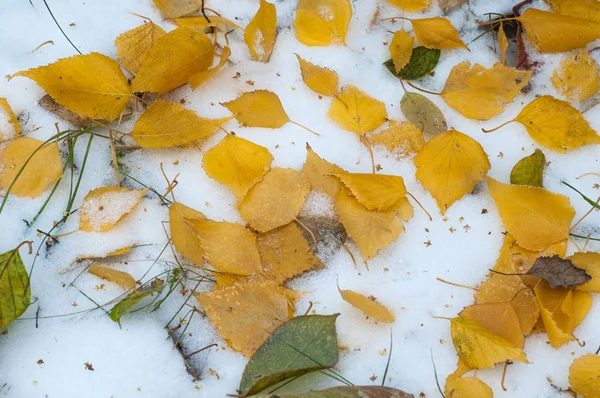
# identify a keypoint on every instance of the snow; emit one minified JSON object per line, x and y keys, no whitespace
{"x":7,"y":129}
{"x":139,"y":359}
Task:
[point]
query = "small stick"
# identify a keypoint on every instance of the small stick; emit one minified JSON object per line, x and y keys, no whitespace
{"x":42,"y":45}
{"x":422,"y":89}
{"x":200,"y":350}
{"x":310,"y":232}
{"x":351,"y":255}
{"x":310,"y":306}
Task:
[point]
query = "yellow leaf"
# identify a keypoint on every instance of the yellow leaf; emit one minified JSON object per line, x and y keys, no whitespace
{"x":479,"y":347}
{"x":44,"y":167}
{"x":321,"y":80}
{"x":172,"y":60}
{"x":276,"y":200}
{"x":450,"y":165}
{"x":437,"y":33}
{"x":480,"y":93}
{"x":402,"y":137}
{"x":584,"y":376}
{"x":103,"y":208}
{"x":260,"y":33}
{"x":318,"y":171}
{"x":502,"y":43}
{"x":370,"y":230}
{"x":123,"y":279}
{"x":166,"y":124}
{"x":285,"y":253}
{"x":586,"y":9}
{"x":461,"y":368}
{"x":367,"y":305}
{"x":404,"y":209}
{"x":499,"y":318}
{"x":246,"y":314}
{"x":184,"y":239}
{"x":322,"y":22}
{"x":197,"y":79}
{"x":90,"y":85}
{"x":133,"y":45}
{"x":535,"y":217}
{"x":237,"y":163}
{"x":466,"y":387}
{"x":551,"y":32}
{"x":401,"y":49}
{"x":375,"y":191}
{"x":201,"y":24}
{"x":260,"y":108}
{"x":411,"y":5}
{"x":590,"y":262}
{"x":9,"y":124}
{"x":356,"y":111}
{"x":177,"y":8}
{"x":577,"y":77}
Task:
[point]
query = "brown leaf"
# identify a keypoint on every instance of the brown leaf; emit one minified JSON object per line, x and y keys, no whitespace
{"x":48,"y":103}
{"x":558,"y":272}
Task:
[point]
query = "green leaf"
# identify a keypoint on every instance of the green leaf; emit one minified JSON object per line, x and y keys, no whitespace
{"x":349,"y":392}
{"x":529,"y":170}
{"x":301,"y":345}
{"x":422,"y":61}
{"x":423,"y":113}
{"x":133,"y":298}
{"x":15,"y":292}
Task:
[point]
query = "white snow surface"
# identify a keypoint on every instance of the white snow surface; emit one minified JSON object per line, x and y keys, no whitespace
{"x":138,"y":360}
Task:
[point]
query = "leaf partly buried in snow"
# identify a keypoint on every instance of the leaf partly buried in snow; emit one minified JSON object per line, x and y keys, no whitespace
{"x":529,"y":170}
{"x":121,"y":278}
{"x":558,"y":272}
{"x":319,"y":79}
{"x":422,"y":61}
{"x":184,"y":239}
{"x":301,"y":345}
{"x":91,"y":85}
{"x":328,"y":232}
{"x":15,"y":289}
{"x":584,"y":375}
{"x":348,"y":392}
{"x":379,"y":192}
{"x":48,"y":103}
{"x":260,"y":33}
{"x":466,"y":387}
{"x":103,"y":208}
{"x":437,"y":33}
{"x":319,"y":173}
{"x":133,"y":45}
{"x":260,"y":108}
{"x":423,"y":113}
{"x":322,"y":22}
{"x":133,"y":298}
{"x":9,"y":120}
{"x":401,"y":49}
{"x":356,"y":111}
{"x":403,"y":138}
{"x":367,"y":305}
{"x":577,"y":77}
{"x":197,"y":79}
{"x":177,"y":8}
{"x":411,"y":5}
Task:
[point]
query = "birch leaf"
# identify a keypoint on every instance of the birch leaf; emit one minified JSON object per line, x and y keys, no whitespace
{"x":590,"y":262}
{"x":237,"y":163}
{"x":502,"y":43}
{"x":198,"y":79}
{"x":356,"y":111}
{"x":403,"y":138}
{"x":375,"y":191}
{"x":319,"y":173}
{"x":177,"y":8}
{"x":43,"y":168}
{"x":584,"y":375}
{"x":411,"y":5}
{"x":586,"y":9}
{"x":133,"y":45}
{"x":401,"y":49}
{"x":466,"y":387}
{"x":529,"y":170}
{"x":9,"y":124}
{"x":421,"y":112}
{"x":260,"y":33}
{"x":321,"y":80}
{"x":123,"y":279}
{"x":437,"y":33}
{"x":499,"y":318}
{"x":260,"y":108}
{"x":15,"y":288}
{"x":91,"y":85}
{"x":422,"y":61}
{"x":184,"y":239}
{"x":577,"y":77}
{"x":449,"y":166}
{"x":103,"y":208}
{"x":166,"y":124}
{"x":367,"y":305}
{"x":322,"y":22}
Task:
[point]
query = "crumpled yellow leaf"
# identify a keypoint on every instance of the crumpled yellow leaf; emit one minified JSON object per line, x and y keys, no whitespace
{"x":370,"y":230}
{"x":8,"y":119}
{"x":319,"y":173}
{"x":321,"y":80}
{"x":177,"y":8}
{"x":367,"y":305}
{"x":246,"y":314}
{"x":201,"y":24}
{"x":479,"y":347}
{"x":237,"y":163}
{"x":260,"y":33}
{"x":276,"y":200}
{"x":449,"y":166}
{"x":322,"y":22}
{"x":197,"y":79}
{"x":586,"y":9}
{"x":401,"y":49}
{"x":260,"y":108}
{"x":480,"y":93}
{"x":551,"y":32}
{"x":502,"y":43}
{"x":499,"y":318}
{"x":535,"y":217}
{"x":103,"y":208}
{"x":172,"y":60}
{"x":590,"y":262}
{"x":466,"y":387}
{"x":437,"y":33}
{"x":411,"y":5}
{"x":43,"y":169}
{"x":184,"y":239}
{"x":584,"y":376}
{"x":166,"y":124}
{"x":379,"y":192}
{"x":354,"y":110}
{"x":133,"y":45}
{"x":285,"y":253}
{"x":91,"y":85}
{"x":228,"y":247}
{"x":577,"y":77}
{"x":403,"y":138}
{"x":123,"y":279}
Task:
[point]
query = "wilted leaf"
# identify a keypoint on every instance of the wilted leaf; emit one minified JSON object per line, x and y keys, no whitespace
{"x":319,"y":173}
{"x":348,"y":392}
{"x":276,"y":200}
{"x":558,"y":272}
{"x":133,"y":45}
{"x":91,"y":85}
{"x":587,"y":9}
{"x":354,"y":110}
{"x":15,"y":289}
{"x":321,"y":80}
{"x":43,"y":168}
{"x":367,"y":305}
{"x":401,"y":137}
{"x":184,"y":239}
{"x":411,"y":5}
{"x":103,"y":208}
{"x":584,"y":375}
{"x":529,"y":170}
{"x":48,"y":103}
{"x":197,"y":79}
{"x":421,"y":112}
{"x":177,"y":8}
{"x":502,"y":43}
{"x":577,"y":77}
{"x":590,"y":262}
{"x":499,"y":318}
{"x":260,"y":108}
{"x":166,"y":124}
{"x":260,"y":33}
{"x":201,"y":24}
{"x":375,"y":191}
{"x":437,"y":33}
{"x":449,"y":166}
{"x":121,"y":278}
{"x":246,"y":314}
{"x":401,"y":49}
{"x":301,"y":345}
{"x":422,"y":61}
{"x":9,"y":123}
{"x":322,"y":22}
{"x":466,"y":387}
{"x":133,"y":298}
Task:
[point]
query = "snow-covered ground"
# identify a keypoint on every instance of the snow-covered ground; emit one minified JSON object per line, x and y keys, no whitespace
{"x":138,"y":360}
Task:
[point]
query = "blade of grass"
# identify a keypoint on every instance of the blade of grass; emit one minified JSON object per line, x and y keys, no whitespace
{"x":59,"y":27}
{"x":590,"y":201}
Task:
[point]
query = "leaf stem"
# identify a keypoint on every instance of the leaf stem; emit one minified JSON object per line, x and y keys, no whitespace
{"x":422,"y":89}
{"x":496,"y":128}
{"x":304,"y":127}
{"x":420,"y":205}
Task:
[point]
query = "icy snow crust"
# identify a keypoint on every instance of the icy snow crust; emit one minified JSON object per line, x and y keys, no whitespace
{"x":138,"y":360}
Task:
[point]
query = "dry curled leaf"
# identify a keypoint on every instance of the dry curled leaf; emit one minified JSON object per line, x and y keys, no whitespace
{"x":558,"y":272}
{"x":437,"y":33}
{"x":103,"y":208}
{"x":577,"y":77}
{"x":367,"y":305}
{"x":121,"y":278}
{"x":260,"y":33}
{"x":321,"y":80}
{"x":354,"y":110}
{"x":322,"y":22}
{"x":184,"y":239}
{"x":403,"y":138}
{"x":133,"y":45}
{"x":9,"y":124}
{"x":466,"y":387}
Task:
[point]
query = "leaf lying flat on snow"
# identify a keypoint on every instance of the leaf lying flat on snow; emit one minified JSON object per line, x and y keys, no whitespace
{"x":529,"y":170}
{"x":197,"y":79}
{"x":260,"y":33}
{"x":586,"y":9}
{"x":260,"y":108}
{"x":133,"y":45}
{"x":348,"y":392}
{"x":375,"y":191}
{"x":422,"y":61}
{"x":590,"y":262}
{"x":558,"y":272}
{"x":499,"y":318}
{"x":354,"y":110}
{"x":177,"y":8}
{"x":421,"y":112}
{"x":367,"y":305}
{"x":402,"y":137}
{"x":322,"y":22}
{"x":121,"y":278}
{"x":15,"y":289}
{"x":184,"y":239}
{"x":411,"y":5}
{"x":577,"y":77}
{"x":321,"y":80}
{"x":301,"y":345}
{"x":437,"y":33}
{"x":466,"y":387}
{"x":319,"y":173}
{"x":401,"y":49}
{"x":123,"y":307}
{"x":103,"y":208}
{"x":584,"y":375}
